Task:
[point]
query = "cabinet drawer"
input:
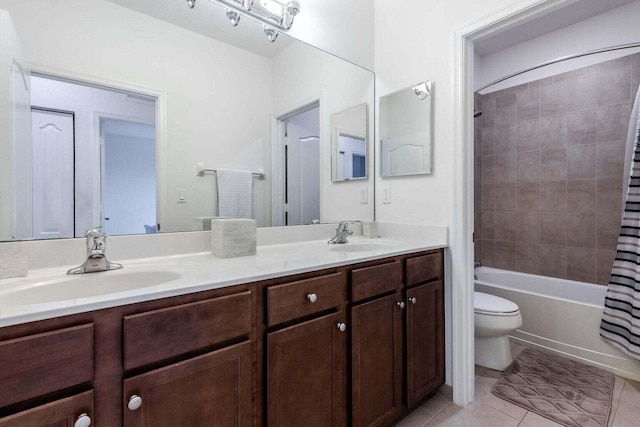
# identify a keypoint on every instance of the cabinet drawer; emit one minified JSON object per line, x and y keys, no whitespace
{"x":157,"y":335}
{"x":291,"y":300}
{"x":424,"y":268}
{"x":63,"y":412}
{"x":35,"y":365}
{"x":371,"y":281}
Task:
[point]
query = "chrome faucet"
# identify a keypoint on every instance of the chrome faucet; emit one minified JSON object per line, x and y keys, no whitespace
{"x":342,"y":232}
{"x":96,"y":258}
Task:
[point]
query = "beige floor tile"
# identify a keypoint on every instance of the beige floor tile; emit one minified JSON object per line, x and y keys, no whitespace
{"x":483,"y":385}
{"x":480,"y":416}
{"x":507,"y":408}
{"x":435,"y":404}
{"x":615,"y":401}
{"x":534,"y":420}
{"x":628,"y":412}
{"x":417,"y":418}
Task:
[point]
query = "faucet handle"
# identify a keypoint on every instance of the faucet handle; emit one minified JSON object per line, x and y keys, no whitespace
{"x":344,"y":225}
{"x":94,"y":232}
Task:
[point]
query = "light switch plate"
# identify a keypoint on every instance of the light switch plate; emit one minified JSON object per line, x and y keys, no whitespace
{"x":364,"y":196}
{"x":182,"y":195}
{"x":386,"y":195}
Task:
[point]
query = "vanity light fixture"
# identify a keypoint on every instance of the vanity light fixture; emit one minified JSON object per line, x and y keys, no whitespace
{"x":272,"y":13}
{"x":423,"y":90}
{"x":234,"y":17}
{"x":272,"y":33}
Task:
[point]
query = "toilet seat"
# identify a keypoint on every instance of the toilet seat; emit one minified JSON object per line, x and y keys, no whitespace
{"x":491,"y":305}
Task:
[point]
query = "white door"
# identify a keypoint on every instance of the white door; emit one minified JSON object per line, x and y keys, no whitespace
{"x":52,"y":145}
{"x":303,"y":168}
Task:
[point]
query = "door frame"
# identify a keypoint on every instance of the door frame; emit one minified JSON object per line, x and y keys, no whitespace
{"x":461,"y":244}
{"x":161,"y":120}
{"x":278,"y":172}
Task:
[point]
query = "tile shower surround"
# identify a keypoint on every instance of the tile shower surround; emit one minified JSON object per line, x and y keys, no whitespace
{"x":549,"y":159}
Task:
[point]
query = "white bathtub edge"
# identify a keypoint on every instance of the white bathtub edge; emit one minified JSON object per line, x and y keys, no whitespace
{"x":615,"y":365}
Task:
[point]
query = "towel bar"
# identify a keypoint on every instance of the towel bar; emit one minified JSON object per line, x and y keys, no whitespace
{"x":200,"y":170}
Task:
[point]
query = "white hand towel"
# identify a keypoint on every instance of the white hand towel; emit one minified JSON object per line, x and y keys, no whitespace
{"x":234,"y":193}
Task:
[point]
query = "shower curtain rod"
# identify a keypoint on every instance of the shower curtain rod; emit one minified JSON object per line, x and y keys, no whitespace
{"x":561,"y":59}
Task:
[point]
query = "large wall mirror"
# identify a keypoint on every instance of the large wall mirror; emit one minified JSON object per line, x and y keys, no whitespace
{"x":405,"y":131}
{"x":114,"y":107}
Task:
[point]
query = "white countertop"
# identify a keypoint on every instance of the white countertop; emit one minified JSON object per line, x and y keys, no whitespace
{"x":48,"y":293}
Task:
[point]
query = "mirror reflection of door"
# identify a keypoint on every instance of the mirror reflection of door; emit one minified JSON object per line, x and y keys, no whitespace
{"x":52,"y":140}
{"x":128,"y":177}
{"x":79,"y":159}
{"x":353,"y":157}
{"x":302,"y":193}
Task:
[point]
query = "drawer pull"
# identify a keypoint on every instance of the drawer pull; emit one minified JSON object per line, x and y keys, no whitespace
{"x":400,"y":304}
{"x":413,"y":300}
{"x":135,"y":402}
{"x":342,"y":327}
{"x":83,"y":420}
{"x":312,"y":297}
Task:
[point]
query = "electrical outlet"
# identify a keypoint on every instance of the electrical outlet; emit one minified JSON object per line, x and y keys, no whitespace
{"x":364,"y":196}
{"x":182,"y":195}
{"x":386,"y":195}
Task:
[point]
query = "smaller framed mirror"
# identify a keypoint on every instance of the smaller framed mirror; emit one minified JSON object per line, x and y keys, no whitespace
{"x":349,"y":144}
{"x":405,"y":131}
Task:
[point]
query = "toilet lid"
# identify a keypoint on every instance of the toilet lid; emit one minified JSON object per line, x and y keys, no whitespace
{"x":488,"y":304}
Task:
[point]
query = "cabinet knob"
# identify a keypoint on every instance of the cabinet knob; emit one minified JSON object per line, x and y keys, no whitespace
{"x":135,"y":402}
{"x":401,"y":304}
{"x":83,"y":420}
{"x":413,"y":300}
{"x":342,"y":327}
{"x":312,"y":297}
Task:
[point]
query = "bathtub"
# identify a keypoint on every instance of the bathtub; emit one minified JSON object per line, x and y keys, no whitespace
{"x":559,"y":316}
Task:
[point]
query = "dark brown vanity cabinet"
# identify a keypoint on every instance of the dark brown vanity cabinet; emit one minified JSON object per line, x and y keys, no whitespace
{"x":61,"y":413}
{"x":36,"y":365}
{"x":306,"y":360}
{"x":397,"y":337}
{"x":212,"y":390}
{"x":352,"y":345}
{"x":376,"y":344}
{"x":208,"y":390}
{"x":424,"y":326}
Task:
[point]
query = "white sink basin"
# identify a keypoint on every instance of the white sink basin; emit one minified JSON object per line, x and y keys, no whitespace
{"x":64,"y":287}
{"x":362,"y":246}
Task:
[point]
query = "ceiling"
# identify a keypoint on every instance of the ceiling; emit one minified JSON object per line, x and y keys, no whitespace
{"x":209,"y":19}
{"x":560,"y":18}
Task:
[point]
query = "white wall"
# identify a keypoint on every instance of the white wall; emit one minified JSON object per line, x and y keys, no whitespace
{"x":615,"y":27}
{"x":100,"y":39}
{"x":414,"y":41}
{"x":302,"y":74}
{"x":87,"y":104}
{"x":344,"y":28}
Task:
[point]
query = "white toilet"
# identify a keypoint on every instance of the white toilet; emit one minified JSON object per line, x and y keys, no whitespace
{"x":495,"y":318}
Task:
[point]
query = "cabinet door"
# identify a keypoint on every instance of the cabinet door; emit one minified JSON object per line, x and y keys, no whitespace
{"x":61,"y":413}
{"x":425,"y":340}
{"x":376,"y":371}
{"x":212,"y":390}
{"x":306,"y":373}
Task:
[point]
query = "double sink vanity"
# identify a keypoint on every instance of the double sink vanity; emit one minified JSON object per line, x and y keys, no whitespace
{"x":301,"y":334}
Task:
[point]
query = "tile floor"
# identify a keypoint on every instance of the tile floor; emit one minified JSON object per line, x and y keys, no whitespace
{"x":491,"y":411}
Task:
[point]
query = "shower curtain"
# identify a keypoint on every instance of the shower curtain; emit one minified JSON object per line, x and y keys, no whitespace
{"x":621,"y":318}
